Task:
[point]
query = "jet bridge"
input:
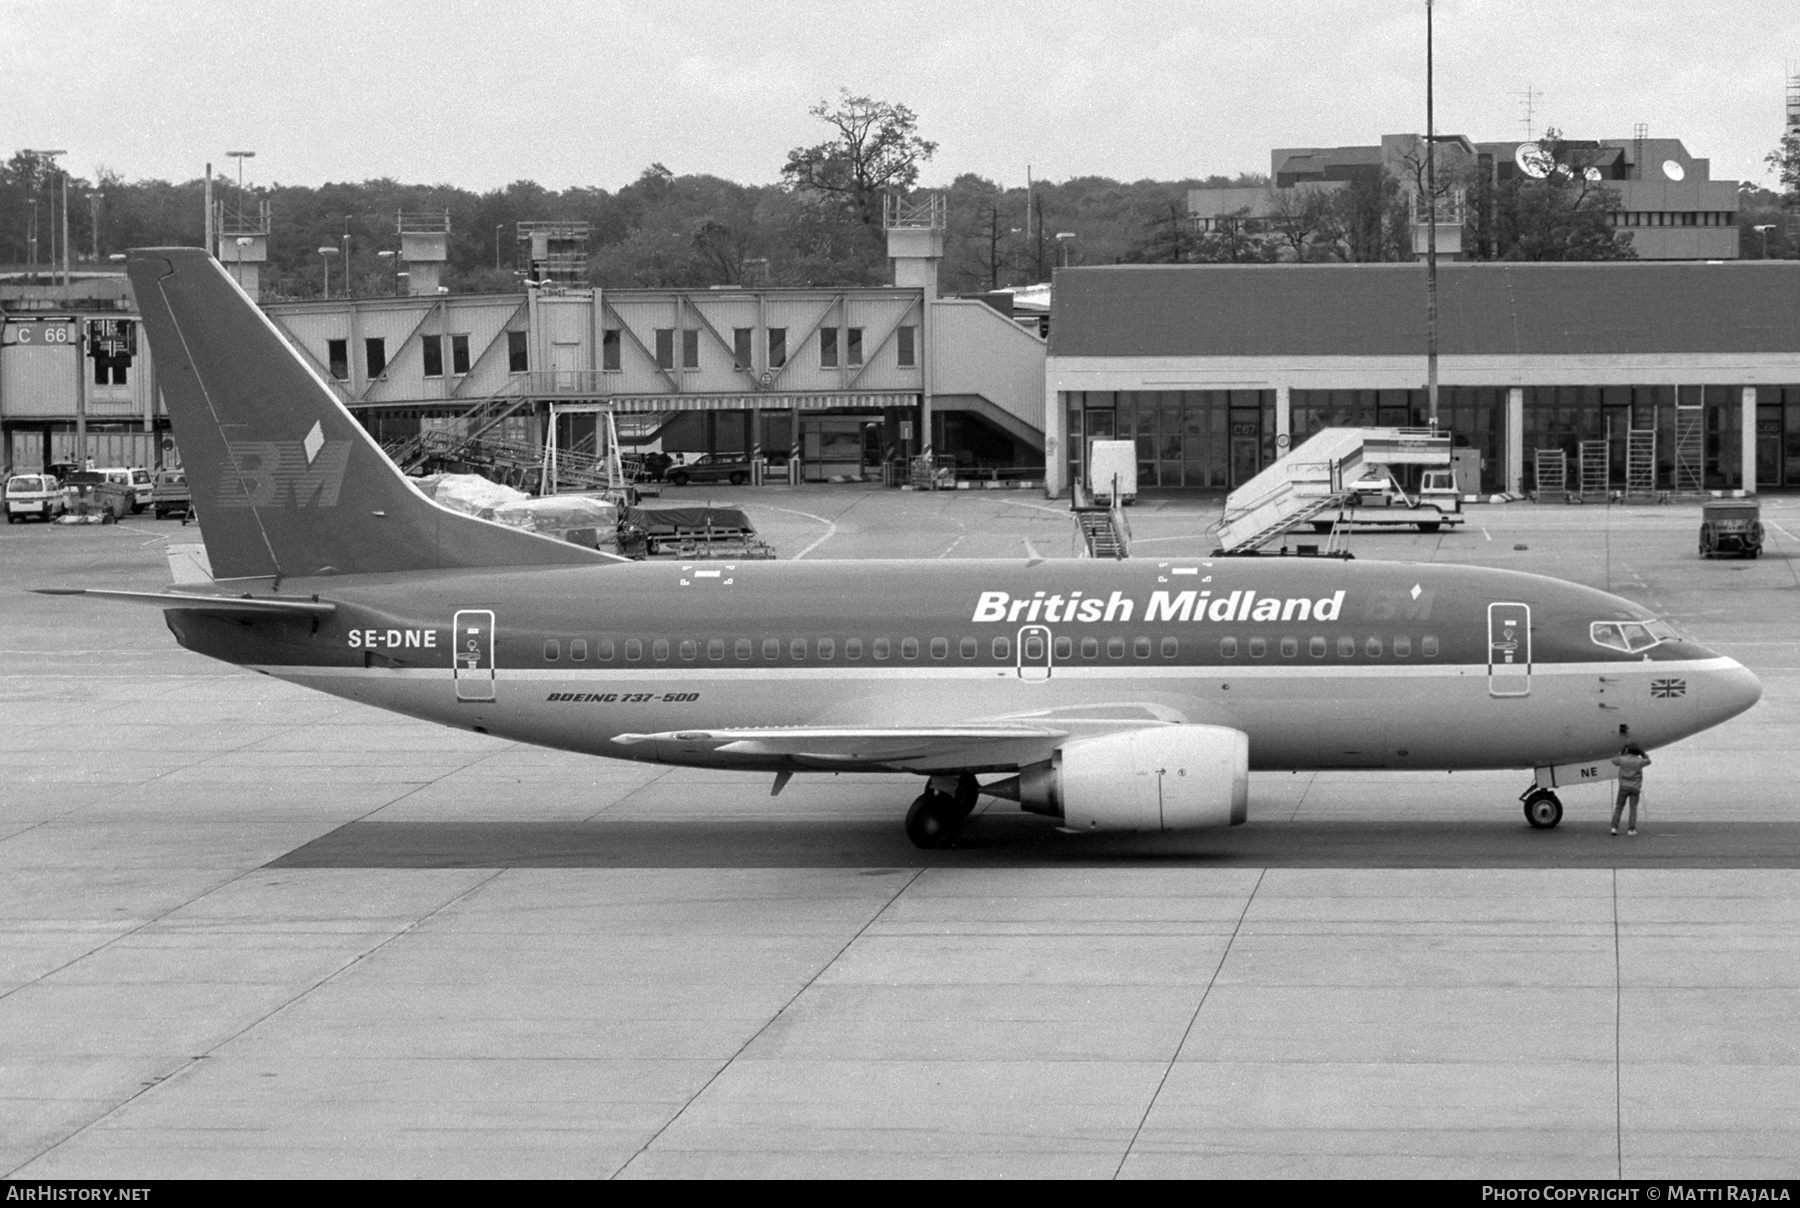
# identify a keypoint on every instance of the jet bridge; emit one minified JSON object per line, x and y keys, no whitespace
{"x":1315,"y":478}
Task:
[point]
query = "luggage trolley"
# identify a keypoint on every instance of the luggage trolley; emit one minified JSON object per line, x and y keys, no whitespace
{"x":1731,"y":526}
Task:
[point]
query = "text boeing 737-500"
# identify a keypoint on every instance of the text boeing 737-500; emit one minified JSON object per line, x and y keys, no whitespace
{"x":1131,"y":695}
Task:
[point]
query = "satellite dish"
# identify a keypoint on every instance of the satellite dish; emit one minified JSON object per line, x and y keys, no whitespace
{"x":1533,"y":160}
{"x":1593,"y":175}
{"x":1673,"y":170}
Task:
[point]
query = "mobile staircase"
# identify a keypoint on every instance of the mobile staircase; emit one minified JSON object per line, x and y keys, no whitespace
{"x":416,"y":452}
{"x":1314,"y":479}
{"x":1105,"y":533}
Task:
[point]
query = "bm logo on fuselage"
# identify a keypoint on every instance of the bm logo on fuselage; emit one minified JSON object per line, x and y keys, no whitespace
{"x":280,"y":474}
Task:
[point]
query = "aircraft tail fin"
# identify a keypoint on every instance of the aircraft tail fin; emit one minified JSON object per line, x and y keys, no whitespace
{"x":285,"y":481}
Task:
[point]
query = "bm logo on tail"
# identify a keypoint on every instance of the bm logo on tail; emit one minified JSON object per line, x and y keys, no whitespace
{"x":286,"y":473}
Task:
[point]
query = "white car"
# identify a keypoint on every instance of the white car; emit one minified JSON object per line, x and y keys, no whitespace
{"x":29,"y":495}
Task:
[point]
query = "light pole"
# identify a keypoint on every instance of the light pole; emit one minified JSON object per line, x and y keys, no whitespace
{"x":498,"y":227}
{"x":325,"y":255}
{"x":1062,"y":246}
{"x":349,"y":281}
{"x":1431,"y":301}
{"x":391,"y":259}
{"x":64,"y":176}
{"x":1763,"y":229}
{"x":241,"y":156}
{"x":94,"y":200}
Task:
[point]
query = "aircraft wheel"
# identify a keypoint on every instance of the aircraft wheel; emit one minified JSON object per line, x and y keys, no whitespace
{"x":1542,"y":809}
{"x":1428,"y":526}
{"x":968,"y":792}
{"x":934,"y":821}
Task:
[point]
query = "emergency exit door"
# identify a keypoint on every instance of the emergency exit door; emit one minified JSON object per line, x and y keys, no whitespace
{"x":1509,"y":649}
{"x":1034,"y":653}
{"x":472,"y":655}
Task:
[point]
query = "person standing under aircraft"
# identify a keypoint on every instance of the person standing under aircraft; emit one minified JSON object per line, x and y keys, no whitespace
{"x":1631,"y":762}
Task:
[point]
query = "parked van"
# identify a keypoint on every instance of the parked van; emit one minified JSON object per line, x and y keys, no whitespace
{"x":29,"y":495}
{"x":135,"y":481}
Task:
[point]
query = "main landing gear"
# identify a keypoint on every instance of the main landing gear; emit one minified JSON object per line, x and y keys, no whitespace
{"x":1542,"y":808}
{"x":936,"y":817}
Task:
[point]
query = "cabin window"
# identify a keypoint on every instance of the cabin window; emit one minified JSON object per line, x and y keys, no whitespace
{"x":1316,"y":647}
{"x":1290,"y":648}
{"x":1346,"y":647}
{"x":1258,"y":647}
{"x":1002,"y":648}
{"x":552,"y":650}
{"x":604,"y":649}
{"x":1141,"y":648}
{"x":1171,"y":647}
{"x":743,"y":648}
{"x":634,"y":649}
{"x":1090,"y":648}
{"x":1372,"y":648}
{"x":940,"y":648}
{"x":659,"y":650}
{"x":827,"y":648}
{"x":1031,"y":647}
{"x":771,"y":648}
{"x":715,"y":649}
{"x":578,"y":650}
{"x":797,"y":649}
{"x":881,"y":648}
{"x":1115,"y":648}
{"x":1428,"y":646}
{"x":909,"y":648}
{"x":689,"y":648}
{"x":1064,"y":648}
{"x":1402,"y":647}
{"x":1227,"y":648}
{"x":969,"y":647}
{"x":853,"y":648}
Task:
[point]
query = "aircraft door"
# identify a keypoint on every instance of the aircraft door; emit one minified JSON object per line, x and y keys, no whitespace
{"x":1509,"y":650}
{"x":472,"y":655}
{"x":1034,"y":653}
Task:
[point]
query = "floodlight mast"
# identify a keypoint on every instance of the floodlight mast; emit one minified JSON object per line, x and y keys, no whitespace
{"x":1431,"y":300}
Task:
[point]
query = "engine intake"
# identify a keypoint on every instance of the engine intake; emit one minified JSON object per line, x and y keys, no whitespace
{"x":1160,"y":779}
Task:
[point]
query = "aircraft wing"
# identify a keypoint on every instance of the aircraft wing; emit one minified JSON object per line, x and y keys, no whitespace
{"x":278,"y":605}
{"x":854,"y":744}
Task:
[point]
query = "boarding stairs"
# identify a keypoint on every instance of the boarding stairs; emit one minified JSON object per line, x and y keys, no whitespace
{"x":1313,"y":480}
{"x":1640,"y":463}
{"x":1596,"y":469}
{"x":1690,"y":448}
{"x":1551,"y":477}
{"x":467,"y":429}
{"x":1105,"y":533}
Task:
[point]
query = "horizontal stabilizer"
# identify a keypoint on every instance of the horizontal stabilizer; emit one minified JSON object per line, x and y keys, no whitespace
{"x":278,"y":605}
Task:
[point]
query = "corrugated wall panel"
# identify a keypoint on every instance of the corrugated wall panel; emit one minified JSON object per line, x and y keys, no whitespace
{"x":37,"y":382}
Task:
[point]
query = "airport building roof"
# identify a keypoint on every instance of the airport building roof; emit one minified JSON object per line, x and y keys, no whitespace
{"x":1524,"y":309}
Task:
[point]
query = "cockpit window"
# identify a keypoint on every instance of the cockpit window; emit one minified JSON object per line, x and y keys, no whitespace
{"x":1630,"y":636}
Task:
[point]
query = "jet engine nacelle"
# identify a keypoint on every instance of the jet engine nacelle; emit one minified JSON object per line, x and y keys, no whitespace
{"x":1159,"y":779}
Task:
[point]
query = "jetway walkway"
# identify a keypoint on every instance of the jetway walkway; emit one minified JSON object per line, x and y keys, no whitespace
{"x":1313,"y":479}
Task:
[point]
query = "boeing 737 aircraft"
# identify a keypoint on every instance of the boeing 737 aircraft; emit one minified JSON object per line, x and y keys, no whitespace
{"x":1132,"y":695}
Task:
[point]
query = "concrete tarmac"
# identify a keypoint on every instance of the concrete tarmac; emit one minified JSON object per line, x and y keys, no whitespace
{"x":248,"y":930}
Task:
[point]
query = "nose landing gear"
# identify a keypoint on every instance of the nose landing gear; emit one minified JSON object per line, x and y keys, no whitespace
{"x":1542,"y":808}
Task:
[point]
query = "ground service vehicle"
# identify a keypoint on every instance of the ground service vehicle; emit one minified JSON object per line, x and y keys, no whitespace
{"x":1108,"y":695}
{"x":711,"y":467}
{"x":1731,"y":526}
{"x":170,"y":495}
{"x":29,"y":495}
{"x":1380,"y":502}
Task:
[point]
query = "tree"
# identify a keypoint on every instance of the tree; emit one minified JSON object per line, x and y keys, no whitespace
{"x":1784,"y":162}
{"x":877,"y":149}
{"x":1367,"y":221}
{"x":1565,"y":215}
{"x":1169,"y":238}
{"x":1301,"y":219}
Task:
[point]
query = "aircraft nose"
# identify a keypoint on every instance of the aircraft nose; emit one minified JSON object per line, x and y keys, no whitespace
{"x":1728,"y":692}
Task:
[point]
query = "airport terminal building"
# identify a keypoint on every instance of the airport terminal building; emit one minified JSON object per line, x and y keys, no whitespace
{"x":1215,"y":370}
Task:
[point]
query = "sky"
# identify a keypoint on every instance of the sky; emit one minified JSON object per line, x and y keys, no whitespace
{"x":478,"y":94}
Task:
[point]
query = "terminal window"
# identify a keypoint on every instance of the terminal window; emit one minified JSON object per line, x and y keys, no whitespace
{"x":690,"y":349}
{"x":375,"y":355}
{"x":740,"y":347}
{"x":459,"y":354}
{"x":609,"y":350}
{"x":777,"y":347}
{"x":853,"y":346}
{"x":665,"y":348}
{"x":516,"y":359}
{"x":433,"y":348}
{"x":337,"y":356}
{"x":828,"y":348}
{"x":905,"y":353}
